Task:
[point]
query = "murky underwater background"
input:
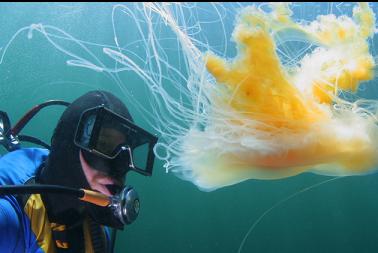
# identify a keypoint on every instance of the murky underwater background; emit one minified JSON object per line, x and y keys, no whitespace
{"x":339,"y":216}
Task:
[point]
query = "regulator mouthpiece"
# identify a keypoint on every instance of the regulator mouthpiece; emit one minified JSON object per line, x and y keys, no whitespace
{"x":125,"y":205}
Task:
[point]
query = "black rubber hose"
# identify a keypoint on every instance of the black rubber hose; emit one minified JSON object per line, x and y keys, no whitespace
{"x":33,"y":140}
{"x":37,"y":189}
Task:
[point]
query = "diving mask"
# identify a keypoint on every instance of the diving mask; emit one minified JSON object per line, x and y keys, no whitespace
{"x":107,"y":135}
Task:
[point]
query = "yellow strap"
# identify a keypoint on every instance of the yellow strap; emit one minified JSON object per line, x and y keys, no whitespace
{"x":57,"y":227}
{"x":40,"y":224}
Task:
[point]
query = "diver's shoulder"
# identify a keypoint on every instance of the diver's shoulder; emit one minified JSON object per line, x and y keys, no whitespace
{"x":18,"y":166}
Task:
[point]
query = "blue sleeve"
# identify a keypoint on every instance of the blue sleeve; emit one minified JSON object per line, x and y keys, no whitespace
{"x":10,"y":227}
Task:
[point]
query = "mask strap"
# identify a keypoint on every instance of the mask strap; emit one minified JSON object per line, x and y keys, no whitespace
{"x":131,"y":164}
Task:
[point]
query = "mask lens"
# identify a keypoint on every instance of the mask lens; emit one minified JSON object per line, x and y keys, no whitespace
{"x":109,"y":141}
{"x":139,"y":155}
{"x":87,"y":130}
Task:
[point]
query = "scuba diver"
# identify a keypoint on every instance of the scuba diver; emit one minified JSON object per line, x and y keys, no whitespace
{"x":93,"y":147}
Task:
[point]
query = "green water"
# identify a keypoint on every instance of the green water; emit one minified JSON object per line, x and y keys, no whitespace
{"x":340,"y":216}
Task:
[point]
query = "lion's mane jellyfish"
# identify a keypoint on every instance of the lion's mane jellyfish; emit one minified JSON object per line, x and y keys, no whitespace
{"x":265,"y":120}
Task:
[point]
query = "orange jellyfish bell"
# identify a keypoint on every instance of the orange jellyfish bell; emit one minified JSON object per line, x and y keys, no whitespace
{"x":265,"y":122}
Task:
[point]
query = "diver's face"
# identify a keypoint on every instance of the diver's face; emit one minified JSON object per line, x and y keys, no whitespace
{"x":98,"y":180}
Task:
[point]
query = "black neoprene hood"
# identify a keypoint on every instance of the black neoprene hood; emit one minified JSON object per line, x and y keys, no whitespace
{"x":63,"y":163}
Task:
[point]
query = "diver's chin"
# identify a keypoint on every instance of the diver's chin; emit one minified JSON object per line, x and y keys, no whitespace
{"x":106,"y":184}
{"x":102,"y":188}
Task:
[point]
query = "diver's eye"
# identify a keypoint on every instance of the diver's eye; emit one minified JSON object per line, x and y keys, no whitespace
{"x":114,"y":189}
